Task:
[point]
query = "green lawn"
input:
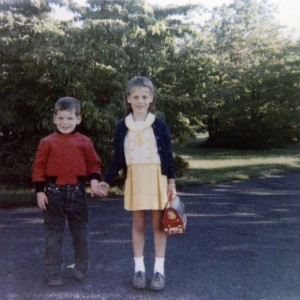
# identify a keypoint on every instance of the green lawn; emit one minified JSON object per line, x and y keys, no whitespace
{"x":213,"y":166}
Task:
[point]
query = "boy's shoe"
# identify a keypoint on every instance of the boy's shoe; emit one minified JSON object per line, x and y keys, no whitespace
{"x":79,"y":275}
{"x":55,"y":280}
{"x":158,"y":282}
{"x":139,"y":280}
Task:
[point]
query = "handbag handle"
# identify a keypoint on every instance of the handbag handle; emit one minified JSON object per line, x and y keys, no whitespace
{"x":170,"y":198}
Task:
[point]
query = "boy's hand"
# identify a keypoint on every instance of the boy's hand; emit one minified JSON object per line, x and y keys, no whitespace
{"x":42,"y":200}
{"x":94,"y":187}
{"x":103,"y":189}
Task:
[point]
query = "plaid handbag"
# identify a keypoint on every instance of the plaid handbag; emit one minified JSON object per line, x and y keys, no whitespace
{"x":174,"y":217}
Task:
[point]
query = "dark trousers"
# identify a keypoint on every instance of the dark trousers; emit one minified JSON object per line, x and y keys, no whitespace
{"x":66,"y":202}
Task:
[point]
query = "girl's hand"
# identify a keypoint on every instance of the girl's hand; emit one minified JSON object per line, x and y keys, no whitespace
{"x":103,"y":189}
{"x":42,"y":200}
{"x":171,"y":191}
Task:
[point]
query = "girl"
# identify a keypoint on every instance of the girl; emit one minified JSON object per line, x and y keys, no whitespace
{"x":143,"y":150}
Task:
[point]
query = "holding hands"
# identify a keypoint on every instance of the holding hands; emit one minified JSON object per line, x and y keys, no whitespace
{"x":102,"y":189}
{"x":99,"y":188}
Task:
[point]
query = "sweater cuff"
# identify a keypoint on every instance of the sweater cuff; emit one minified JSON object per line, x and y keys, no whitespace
{"x":94,"y":176}
{"x":39,"y":186}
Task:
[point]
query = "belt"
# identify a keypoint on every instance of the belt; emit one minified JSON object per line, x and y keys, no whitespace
{"x":80,"y":179}
{"x":66,"y":186}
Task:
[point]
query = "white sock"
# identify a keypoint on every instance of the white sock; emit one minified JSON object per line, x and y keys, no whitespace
{"x":159,"y":265}
{"x":139,"y":264}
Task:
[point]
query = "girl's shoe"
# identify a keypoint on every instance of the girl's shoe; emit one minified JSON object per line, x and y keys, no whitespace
{"x":158,"y":282}
{"x":139,"y":280}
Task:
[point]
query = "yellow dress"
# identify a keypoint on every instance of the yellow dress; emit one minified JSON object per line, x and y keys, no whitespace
{"x":145,"y":186}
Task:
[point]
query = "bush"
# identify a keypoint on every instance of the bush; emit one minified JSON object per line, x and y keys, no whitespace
{"x":181,"y":166}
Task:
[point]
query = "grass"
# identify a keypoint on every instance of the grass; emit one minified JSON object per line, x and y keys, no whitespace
{"x":10,"y":198}
{"x":206,"y":167}
{"x":214,"y":166}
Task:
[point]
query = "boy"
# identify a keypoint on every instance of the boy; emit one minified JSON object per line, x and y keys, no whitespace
{"x":63,"y":161}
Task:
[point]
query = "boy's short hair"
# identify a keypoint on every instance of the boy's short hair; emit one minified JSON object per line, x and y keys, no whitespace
{"x":67,"y":103}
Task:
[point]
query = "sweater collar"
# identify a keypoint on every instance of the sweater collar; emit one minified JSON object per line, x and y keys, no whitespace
{"x":139,"y":125}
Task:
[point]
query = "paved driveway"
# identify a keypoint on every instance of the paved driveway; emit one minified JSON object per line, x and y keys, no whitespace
{"x":242,"y":242}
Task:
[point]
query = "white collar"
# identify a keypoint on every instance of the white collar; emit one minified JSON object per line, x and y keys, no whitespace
{"x":139,"y":125}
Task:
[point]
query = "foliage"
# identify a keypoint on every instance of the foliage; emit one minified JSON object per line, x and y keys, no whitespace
{"x":256,"y":79}
{"x":234,"y":76}
{"x":181,"y":165}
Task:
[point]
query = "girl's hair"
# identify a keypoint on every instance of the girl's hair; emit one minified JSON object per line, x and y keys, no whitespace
{"x":67,"y":103}
{"x":139,"y":81}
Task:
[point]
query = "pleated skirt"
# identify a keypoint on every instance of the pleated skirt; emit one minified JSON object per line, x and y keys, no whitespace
{"x":145,"y":188}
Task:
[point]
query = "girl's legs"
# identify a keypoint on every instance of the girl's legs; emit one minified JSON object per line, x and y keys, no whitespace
{"x":160,"y":241}
{"x":138,"y":238}
{"x":139,"y":229}
{"x":138,"y":243}
{"x":138,"y":232}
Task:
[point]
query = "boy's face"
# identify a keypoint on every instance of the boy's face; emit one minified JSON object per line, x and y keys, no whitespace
{"x":66,"y":121}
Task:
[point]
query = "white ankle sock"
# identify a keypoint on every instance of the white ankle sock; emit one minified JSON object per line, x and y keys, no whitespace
{"x":139,"y":264}
{"x":159,"y":265}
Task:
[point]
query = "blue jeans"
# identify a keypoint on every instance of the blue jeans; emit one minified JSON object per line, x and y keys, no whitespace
{"x":66,"y":202}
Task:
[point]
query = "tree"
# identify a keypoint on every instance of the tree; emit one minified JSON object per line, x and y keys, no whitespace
{"x":235,"y":76}
{"x":21,"y":24}
{"x":250,"y":55}
{"x":45,"y":59}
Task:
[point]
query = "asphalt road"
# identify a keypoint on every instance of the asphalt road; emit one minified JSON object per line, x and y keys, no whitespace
{"x":242,"y":242}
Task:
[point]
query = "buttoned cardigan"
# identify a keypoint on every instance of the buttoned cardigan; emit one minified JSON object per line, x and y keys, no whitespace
{"x":163,"y":141}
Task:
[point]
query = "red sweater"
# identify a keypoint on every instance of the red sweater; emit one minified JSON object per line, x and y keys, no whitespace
{"x":65,"y":156}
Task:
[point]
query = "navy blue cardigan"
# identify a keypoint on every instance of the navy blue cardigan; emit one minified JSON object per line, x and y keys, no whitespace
{"x":163,"y":141}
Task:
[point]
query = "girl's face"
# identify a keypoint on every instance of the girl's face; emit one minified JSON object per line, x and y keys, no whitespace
{"x":66,"y":121}
{"x":140,"y":99}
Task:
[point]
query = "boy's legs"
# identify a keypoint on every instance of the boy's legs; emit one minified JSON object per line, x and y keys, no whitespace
{"x":54,"y":220}
{"x":77,"y":212}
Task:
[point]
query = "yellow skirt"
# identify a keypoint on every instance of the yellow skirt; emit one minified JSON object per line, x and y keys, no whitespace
{"x":145,"y":188}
